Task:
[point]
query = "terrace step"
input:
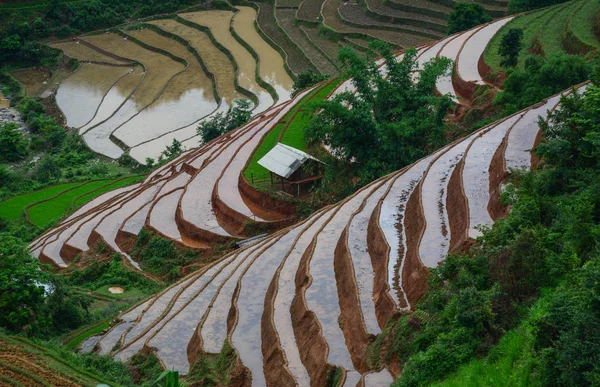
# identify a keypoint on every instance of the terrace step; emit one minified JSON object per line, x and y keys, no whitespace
{"x":295,"y":59}
{"x":285,"y":18}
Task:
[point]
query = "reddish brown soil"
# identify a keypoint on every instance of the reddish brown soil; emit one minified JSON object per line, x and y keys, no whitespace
{"x":379,"y":251}
{"x":275,"y":365}
{"x":457,"y":207}
{"x":498,"y":175}
{"x":351,"y":318}
{"x":414,"y":275}
{"x":32,"y":365}
{"x":311,"y":344}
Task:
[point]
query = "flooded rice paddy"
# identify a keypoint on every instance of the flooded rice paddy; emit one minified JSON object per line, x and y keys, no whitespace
{"x":271,"y":67}
{"x":218,"y":23}
{"x":137,"y":90}
{"x":81,"y":94}
{"x":84,"y":53}
{"x":33,"y":80}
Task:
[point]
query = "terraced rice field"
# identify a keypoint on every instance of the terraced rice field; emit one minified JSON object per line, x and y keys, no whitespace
{"x":186,"y":99}
{"x":81,"y":94}
{"x":24,"y":363}
{"x":295,"y":59}
{"x":285,"y":18}
{"x":219,"y":22}
{"x":140,"y":89}
{"x":547,"y":29}
{"x":271,"y":64}
{"x":85,"y":53}
{"x":315,"y":284}
{"x":33,"y":80}
{"x":50,"y":204}
{"x":309,"y":296}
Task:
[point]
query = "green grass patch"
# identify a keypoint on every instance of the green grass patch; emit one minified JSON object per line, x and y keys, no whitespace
{"x":582,"y":22}
{"x":292,"y":136}
{"x":551,"y":34}
{"x":532,"y":25}
{"x":94,"y":330}
{"x":43,"y":213}
{"x":117,"y":184}
{"x":12,"y":208}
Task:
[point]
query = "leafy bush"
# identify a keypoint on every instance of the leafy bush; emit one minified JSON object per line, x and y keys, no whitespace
{"x":307,"y":79}
{"x":221,"y":123}
{"x":159,"y":256}
{"x":541,"y":78}
{"x":466,"y":16}
{"x":12,"y":143}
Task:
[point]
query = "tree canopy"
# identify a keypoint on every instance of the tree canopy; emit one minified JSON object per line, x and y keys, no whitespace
{"x":466,"y":16}
{"x":390,"y":121}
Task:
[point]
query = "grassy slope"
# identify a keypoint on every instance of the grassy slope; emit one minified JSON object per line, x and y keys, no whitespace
{"x":581,"y":23}
{"x":12,"y":208}
{"x":292,"y":136}
{"x":547,"y":24}
{"x":56,"y":362}
{"x":510,"y":363}
{"x":51,"y":210}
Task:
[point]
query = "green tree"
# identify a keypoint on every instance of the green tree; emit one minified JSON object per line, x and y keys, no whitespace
{"x":11,"y":43}
{"x":510,"y":46}
{"x":307,"y":79}
{"x":540,"y":78}
{"x":21,"y":289}
{"x":12,"y":143}
{"x":392,"y":121}
{"x":173,"y":150}
{"x":466,"y":16}
{"x":47,"y":169}
{"x":221,"y":123}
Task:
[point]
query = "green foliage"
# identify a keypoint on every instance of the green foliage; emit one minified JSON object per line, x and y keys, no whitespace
{"x":510,"y":46}
{"x":110,"y":273}
{"x":515,"y":6}
{"x":12,"y":143}
{"x":221,"y":123}
{"x":213,"y":370}
{"x":147,"y":368}
{"x":173,"y":150}
{"x":21,"y":290}
{"x":48,"y":170}
{"x":391,"y":121}
{"x":541,"y":78}
{"x":307,"y":79}
{"x":466,"y":16}
{"x":567,"y":335}
{"x":168,"y":378}
{"x":159,"y":256}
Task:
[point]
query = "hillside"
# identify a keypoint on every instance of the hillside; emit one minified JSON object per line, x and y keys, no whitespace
{"x":474,"y":261}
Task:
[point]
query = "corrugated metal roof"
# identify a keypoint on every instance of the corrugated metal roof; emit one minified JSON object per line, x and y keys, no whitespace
{"x":283,"y":160}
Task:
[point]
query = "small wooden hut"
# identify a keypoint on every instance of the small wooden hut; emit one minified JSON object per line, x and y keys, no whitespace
{"x":293,"y":169}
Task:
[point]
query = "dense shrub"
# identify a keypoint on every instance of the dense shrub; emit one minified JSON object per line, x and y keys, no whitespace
{"x":12,"y":143}
{"x":540,"y":78}
{"x":307,"y":79}
{"x":466,"y":16}
{"x":222,"y":123}
{"x":159,"y":256}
